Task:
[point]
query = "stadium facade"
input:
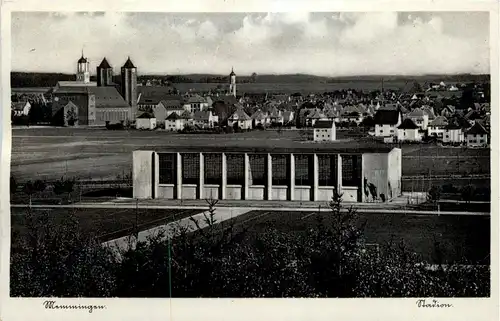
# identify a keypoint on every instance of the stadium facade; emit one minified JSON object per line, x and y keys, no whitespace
{"x":306,"y":172}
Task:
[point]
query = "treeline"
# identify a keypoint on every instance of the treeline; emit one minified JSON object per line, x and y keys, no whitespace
{"x":55,"y":259}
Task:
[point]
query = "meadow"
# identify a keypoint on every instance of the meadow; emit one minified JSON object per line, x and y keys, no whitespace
{"x":49,"y":153}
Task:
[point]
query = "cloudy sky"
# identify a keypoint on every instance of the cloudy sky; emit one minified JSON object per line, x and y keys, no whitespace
{"x":331,"y":44}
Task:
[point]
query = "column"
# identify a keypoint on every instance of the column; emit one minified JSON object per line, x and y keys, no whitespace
{"x":179,"y":176}
{"x":339,"y":174}
{"x":315,"y":177}
{"x":362,"y":180}
{"x":247,"y":176}
{"x":291,"y":187}
{"x":201,"y":178}
{"x":269,"y":185}
{"x":156,"y":176}
{"x":224,"y":177}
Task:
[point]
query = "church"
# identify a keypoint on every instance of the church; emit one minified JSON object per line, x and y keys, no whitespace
{"x":86,"y":103}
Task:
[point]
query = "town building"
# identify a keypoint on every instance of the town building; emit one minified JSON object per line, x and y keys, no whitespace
{"x":195,"y":103}
{"x":324,"y":130}
{"x":145,"y":121}
{"x":361,"y":172}
{"x":436,"y":127}
{"x":477,"y":136}
{"x":232,"y":83}
{"x":93,"y":105}
{"x":288,"y":117}
{"x":174,"y":122}
{"x":453,"y":134}
{"x":241,"y":119}
{"x":409,"y":131}
{"x":260,"y":118}
{"x":386,"y":122}
{"x":205,"y":119}
{"x":420,"y":118}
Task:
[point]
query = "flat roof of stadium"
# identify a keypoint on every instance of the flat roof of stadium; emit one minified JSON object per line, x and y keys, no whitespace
{"x":273,"y":146}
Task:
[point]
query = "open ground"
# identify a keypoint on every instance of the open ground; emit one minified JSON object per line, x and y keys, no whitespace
{"x":85,"y":153}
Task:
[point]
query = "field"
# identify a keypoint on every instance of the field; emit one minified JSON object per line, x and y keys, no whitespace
{"x":458,"y":237}
{"x":49,"y":153}
{"x":106,"y":224}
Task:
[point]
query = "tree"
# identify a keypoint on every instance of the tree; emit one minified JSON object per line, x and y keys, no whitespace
{"x":434,"y":194}
{"x":253,"y":77}
{"x":416,"y":87}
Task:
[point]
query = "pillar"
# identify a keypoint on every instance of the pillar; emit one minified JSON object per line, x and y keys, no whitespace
{"x":156,"y":176}
{"x":291,"y":187}
{"x":269,"y":176}
{"x":339,"y":174}
{"x":202,"y":177}
{"x":179,"y":176}
{"x":315,"y":177}
{"x":362,"y":179}
{"x":247,"y":176}
{"x":224,"y":177}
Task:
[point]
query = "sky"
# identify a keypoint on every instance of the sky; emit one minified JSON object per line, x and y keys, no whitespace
{"x":324,"y":44}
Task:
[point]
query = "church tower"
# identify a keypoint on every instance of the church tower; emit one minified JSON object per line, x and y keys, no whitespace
{"x":129,"y":85}
{"x":104,"y":74}
{"x":232,"y":84}
{"x":83,"y":70}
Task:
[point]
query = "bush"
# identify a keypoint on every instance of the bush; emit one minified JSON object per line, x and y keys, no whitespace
{"x":117,"y":126}
{"x":434,"y":194}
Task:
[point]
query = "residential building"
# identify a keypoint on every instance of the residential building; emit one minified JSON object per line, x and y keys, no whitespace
{"x":477,"y":136}
{"x":174,"y":122}
{"x":260,"y":118}
{"x":436,"y":127}
{"x":172,"y":106}
{"x":288,"y":117}
{"x":241,"y":119}
{"x":409,"y":131}
{"x":21,"y":108}
{"x":453,"y":134}
{"x":324,"y":130}
{"x":386,"y":122}
{"x":145,"y":121}
{"x":314,"y":116}
{"x":420,"y":118}
{"x":195,"y":103}
{"x":205,"y":119}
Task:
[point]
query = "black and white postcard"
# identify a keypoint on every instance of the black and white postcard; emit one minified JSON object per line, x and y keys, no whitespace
{"x":333,"y":161}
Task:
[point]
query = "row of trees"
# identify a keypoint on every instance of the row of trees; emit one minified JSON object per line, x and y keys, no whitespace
{"x":467,"y":193}
{"x":31,"y":188}
{"x":330,"y":259}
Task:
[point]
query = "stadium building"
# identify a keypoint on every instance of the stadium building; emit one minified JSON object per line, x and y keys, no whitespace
{"x":305,"y":172}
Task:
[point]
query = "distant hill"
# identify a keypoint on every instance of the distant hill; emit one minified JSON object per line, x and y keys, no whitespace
{"x":27,"y":79}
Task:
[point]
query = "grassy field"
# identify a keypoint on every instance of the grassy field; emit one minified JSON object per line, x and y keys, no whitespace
{"x":49,"y":153}
{"x":106,"y":224}
{"x":458,"y":237}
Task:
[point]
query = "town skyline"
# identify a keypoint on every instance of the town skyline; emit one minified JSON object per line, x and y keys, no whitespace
{"x":401,"y":44}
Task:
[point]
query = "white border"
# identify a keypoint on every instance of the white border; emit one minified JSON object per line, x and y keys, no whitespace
{"x":243,"y":309}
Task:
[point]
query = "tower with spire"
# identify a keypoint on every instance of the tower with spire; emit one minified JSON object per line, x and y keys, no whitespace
{"x":129,"y":84}
{"x":232,"y":83}
{"x":104,"y":74}
{"x":83,"y":70}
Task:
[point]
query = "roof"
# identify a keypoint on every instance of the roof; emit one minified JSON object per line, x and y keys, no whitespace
{"x":173,"y":116}
{"x":232,"y":73}
{"x":104,"y":64}
{"x":416,"y":113}
{"x":146,"y":115}
{"x":477,"y":129}
{"x":195,"y":99}
{"x":408,"y":124}
{"x":316,"y":114}
{"x":439,"y":121}
{"x":107,"y":97}
{"x":186,"y":115}
{"x":259,"y":115}
{"x":171,"y":104}
{"x":128,"y":64}
{"x":226,"y":144}
{"x":202,"y":115}
{"x":240,"y":113}
{"x":323,"y":124}
{"x":82,"y":60}
{"x":386,"y":117}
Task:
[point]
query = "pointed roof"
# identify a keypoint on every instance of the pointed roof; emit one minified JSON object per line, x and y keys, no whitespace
{"x":186,"y":115}
{"x":416,"y":113}
{"x":324,"y":124}
{"x":232,"y":72}
{"x":173,"y":116}
{"x":439,"y":121}
{"x":477,"y":129}
{"x":386,"y":117}
{"x":259,"y":115}
{"x":146,"y":115}
{"x":316,"y":114}
{"x":240,"y":113}
{"x":82,"y":60}
{"x":128,"y":64}
{"x":408,"y":124}
{"x":104,"y":64}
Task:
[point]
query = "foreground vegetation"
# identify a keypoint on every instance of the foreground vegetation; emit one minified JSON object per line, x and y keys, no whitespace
{"x":221,"y":261}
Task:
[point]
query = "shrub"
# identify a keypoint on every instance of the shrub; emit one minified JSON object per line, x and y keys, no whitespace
{"x":434,"y":194}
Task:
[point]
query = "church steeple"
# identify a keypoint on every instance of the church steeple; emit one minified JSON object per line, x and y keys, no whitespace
{"x":104,"y":74}
{"x":83,"y":70}
{"x":232,"y":83}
